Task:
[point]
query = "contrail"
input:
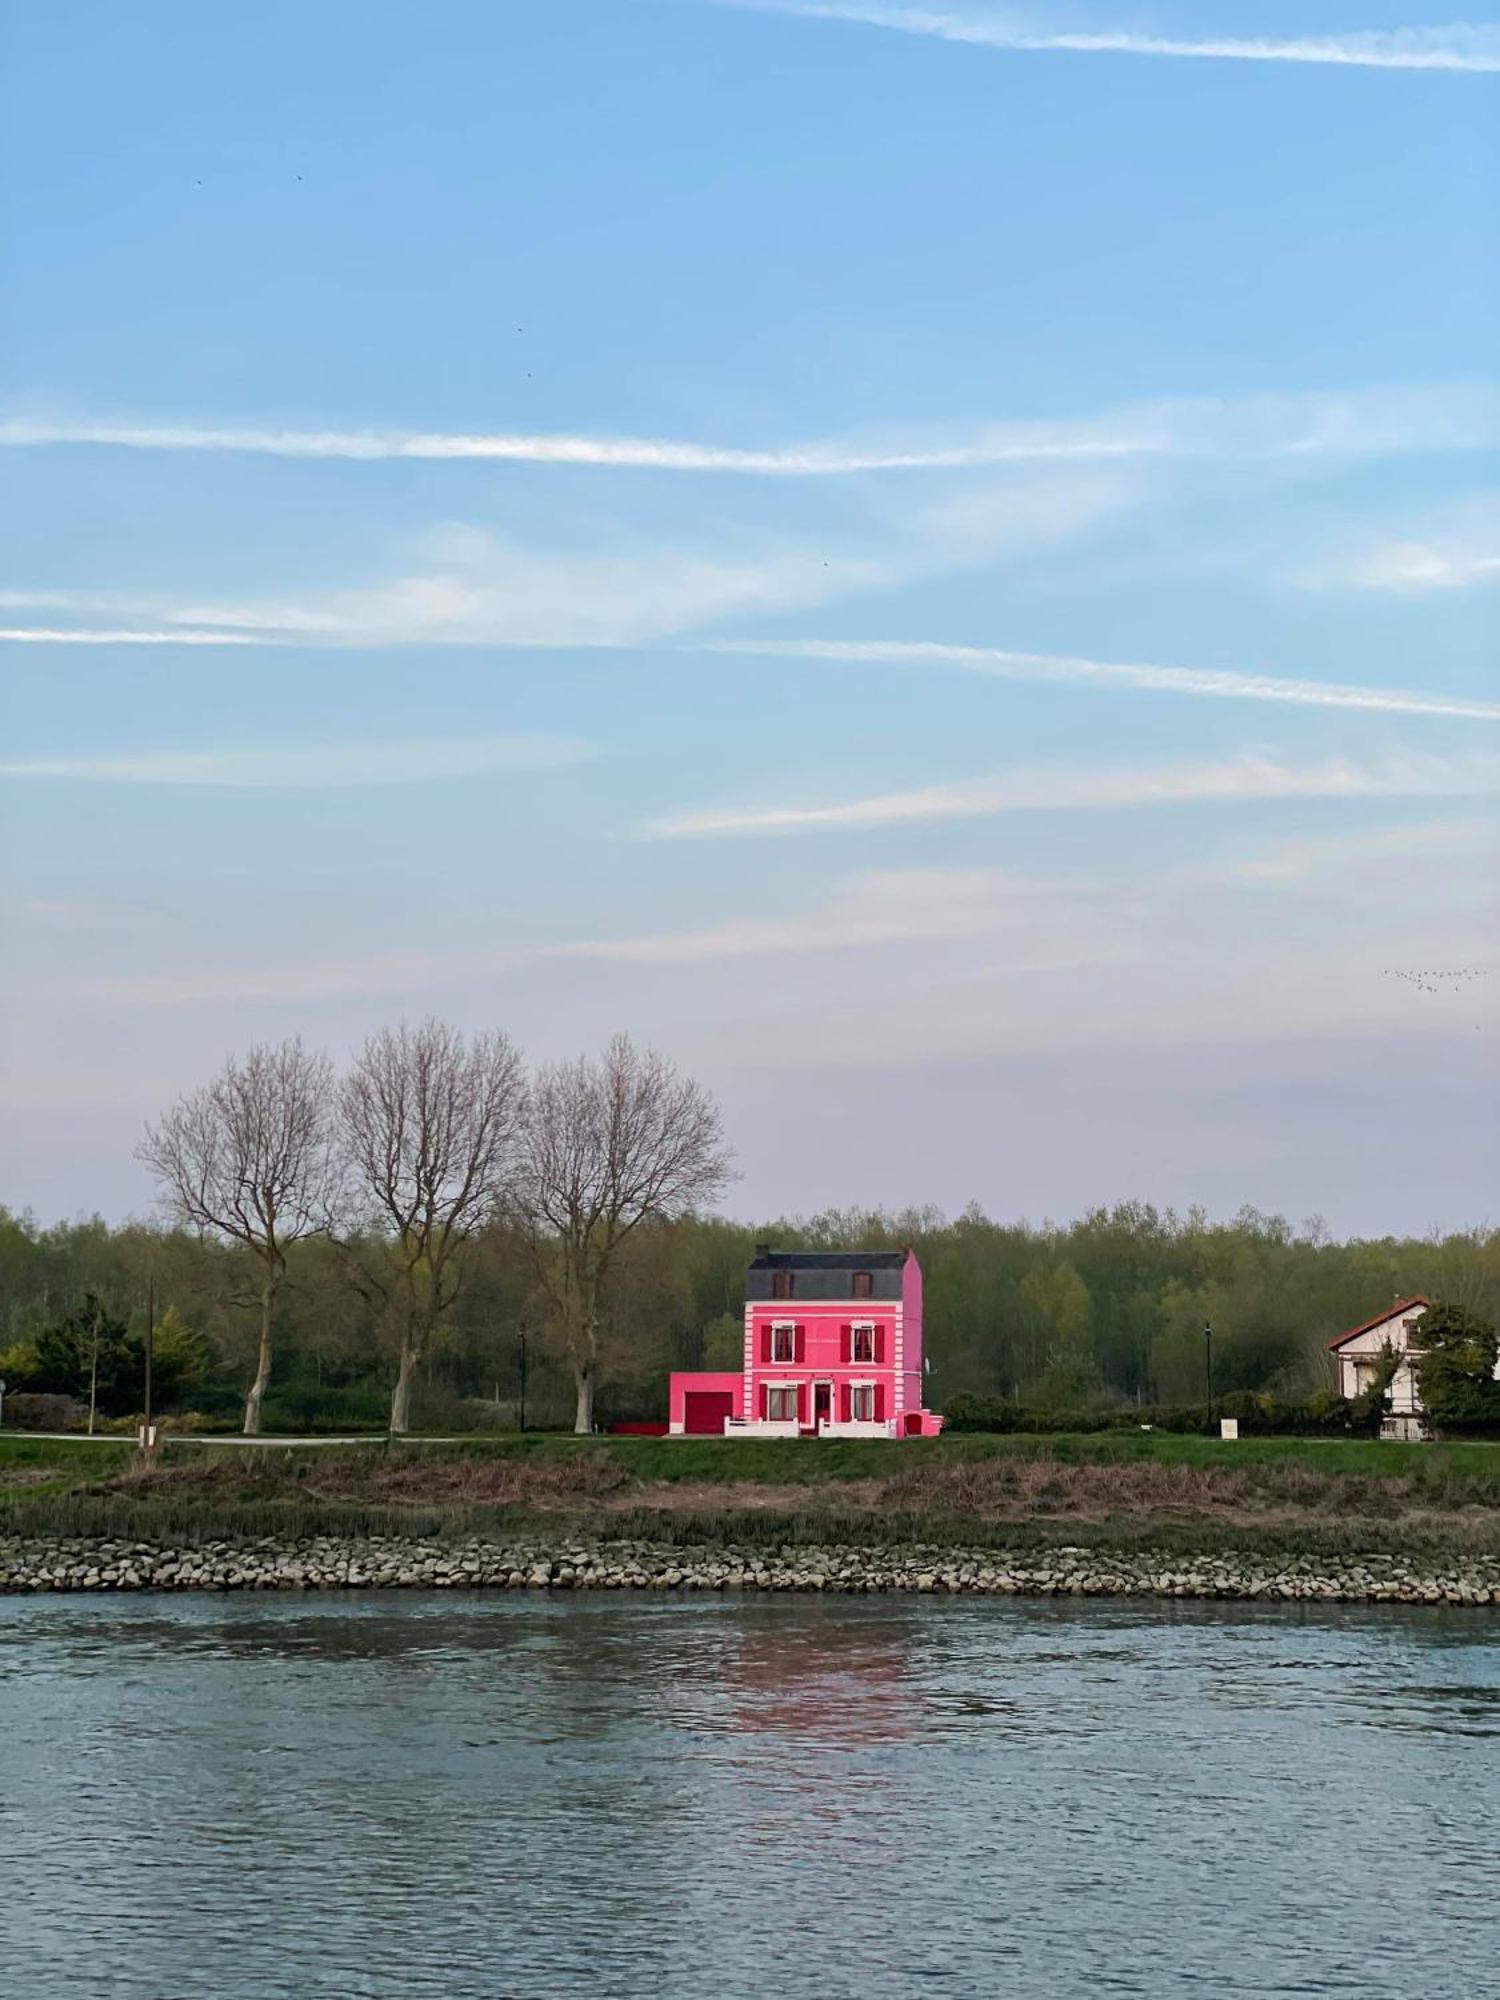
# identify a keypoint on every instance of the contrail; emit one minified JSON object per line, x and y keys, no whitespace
{"x":1461,"y":416}
{"x":625,"y":453}
{"x":1460,"y":46}
{"x":1217,"y":683}
{"x":82,"y":635}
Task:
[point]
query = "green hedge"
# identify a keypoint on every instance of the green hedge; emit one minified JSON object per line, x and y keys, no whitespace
{"x":1257,"y":1416}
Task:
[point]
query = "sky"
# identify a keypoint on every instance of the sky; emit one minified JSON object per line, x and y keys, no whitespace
{"x":938,"y":563}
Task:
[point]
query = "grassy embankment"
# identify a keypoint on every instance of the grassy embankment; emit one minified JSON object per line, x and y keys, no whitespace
{"x":1287,"y":1495}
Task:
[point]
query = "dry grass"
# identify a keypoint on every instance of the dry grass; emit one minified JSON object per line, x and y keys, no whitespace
{"x":382,"y":1479}
{"x":1145,"y":1491}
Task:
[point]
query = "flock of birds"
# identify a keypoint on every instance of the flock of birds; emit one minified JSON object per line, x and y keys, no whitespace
{"x":1431,"y":981}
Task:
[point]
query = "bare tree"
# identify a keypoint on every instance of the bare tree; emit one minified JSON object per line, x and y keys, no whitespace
{"x":609,"y":1145}
{"x":250,"y":1157}
{"x":430,"y":1122}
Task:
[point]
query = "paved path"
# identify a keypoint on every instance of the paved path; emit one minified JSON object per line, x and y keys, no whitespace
{"x":231,"y":1438}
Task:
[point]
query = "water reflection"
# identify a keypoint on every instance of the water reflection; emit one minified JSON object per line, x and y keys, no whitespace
{"x":440,"y":1795}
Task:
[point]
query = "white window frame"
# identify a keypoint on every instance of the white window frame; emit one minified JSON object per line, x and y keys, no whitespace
{"x":857,"y":1327}
{"x":778,"y":1328}
{"x":856,"y":1390}
{"x":782,"y":1389}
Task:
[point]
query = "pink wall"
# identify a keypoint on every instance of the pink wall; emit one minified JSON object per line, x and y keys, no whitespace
{"x":823,"y":1351}
{"x":682,"y":1386}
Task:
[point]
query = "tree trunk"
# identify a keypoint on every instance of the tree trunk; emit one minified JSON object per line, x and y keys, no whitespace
{"x":583,"y":1422}
{"x":94,"y":1382}
{"x":263,"y":1361}
{"x":401,"y":1394}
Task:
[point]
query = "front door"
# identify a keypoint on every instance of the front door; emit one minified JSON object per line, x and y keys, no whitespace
{"x":822,"y":1404}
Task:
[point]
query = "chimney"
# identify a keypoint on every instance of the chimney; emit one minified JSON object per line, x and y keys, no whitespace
{"x":762,"y":1249}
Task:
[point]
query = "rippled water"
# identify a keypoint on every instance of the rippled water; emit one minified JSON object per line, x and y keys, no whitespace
{"x":394,"y":1797}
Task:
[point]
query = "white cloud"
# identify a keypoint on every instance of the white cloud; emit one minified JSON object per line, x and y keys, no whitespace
{"x":1447,"y":417}
{"x":872,"y":908}
{"x":882,"y":906}
{"x":1346,"y":854}
{"x":1459,"y":550}
{"x":1417,"y":566}
{"x":491,"y":590}
{"x":1239,"y":780}
{"x":301,"y":767}
{"x":500,"y":592}
{"x":1462,"y":46}
{"x":482,"y":589}
{"x":1213,"y":682}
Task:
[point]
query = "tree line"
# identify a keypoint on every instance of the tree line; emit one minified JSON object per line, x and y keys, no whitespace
{"x":384,"y":1246}
{"x":399,"y":1166}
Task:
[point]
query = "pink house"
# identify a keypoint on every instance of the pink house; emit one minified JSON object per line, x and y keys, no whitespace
{"x":833,"y":1348}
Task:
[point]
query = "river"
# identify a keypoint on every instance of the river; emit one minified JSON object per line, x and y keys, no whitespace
{"x":702,"y":1799}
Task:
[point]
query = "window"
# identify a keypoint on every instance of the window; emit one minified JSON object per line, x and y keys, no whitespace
{"x":781,"y":1284}
{"x":783,"y":1341}
{"x":862,"y":1340}
{"x":863,"y":1285}
{"x":862,"y":1403}
{"x":781,"y":1405}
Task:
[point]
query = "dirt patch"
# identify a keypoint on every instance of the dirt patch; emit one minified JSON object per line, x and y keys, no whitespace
{"x":18,"y":1476}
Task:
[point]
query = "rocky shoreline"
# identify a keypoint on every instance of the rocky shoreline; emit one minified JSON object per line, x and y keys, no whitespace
{"x":31,"y":1564}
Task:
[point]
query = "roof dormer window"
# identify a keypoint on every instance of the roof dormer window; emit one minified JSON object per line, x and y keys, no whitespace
{"x":863,"y":1285}
{"x":781,"y":1284}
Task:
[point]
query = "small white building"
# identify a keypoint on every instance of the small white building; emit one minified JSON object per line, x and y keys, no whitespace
{"x":1357,"y":1355}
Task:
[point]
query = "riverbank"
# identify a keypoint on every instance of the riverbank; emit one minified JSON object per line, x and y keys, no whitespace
{"x":1355,"y":1520}
{"x":36,"y":1564}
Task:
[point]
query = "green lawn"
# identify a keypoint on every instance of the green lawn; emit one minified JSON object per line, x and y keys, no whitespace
{"x":1138,"y":1475}
{"x":799,"y":1461}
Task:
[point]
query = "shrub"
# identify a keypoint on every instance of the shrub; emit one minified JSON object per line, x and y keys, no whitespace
{"x":1257,"y":1415}
{"x":304,"y":1407}
{"x":1455,"y":1353}
{"x":35,"y":1410}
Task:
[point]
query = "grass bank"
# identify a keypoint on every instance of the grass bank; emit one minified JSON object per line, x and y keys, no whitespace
{"x":1292,"y":1495}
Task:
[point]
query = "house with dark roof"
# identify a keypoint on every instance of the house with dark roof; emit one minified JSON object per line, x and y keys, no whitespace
{"x":832,"y":1348}
{"x":1358,"y":1353}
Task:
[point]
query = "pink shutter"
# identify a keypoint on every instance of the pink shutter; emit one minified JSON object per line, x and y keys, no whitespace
{"x":765,"y":1400}
{"x":845,"y":1404}
{"x":880,"y":1347}
{"x":799,"y":1344}
{"x":880,"y":1402}
{"x":802,"y":1402}
{"x":846,"y":1335}
{"x":765,"y":1346}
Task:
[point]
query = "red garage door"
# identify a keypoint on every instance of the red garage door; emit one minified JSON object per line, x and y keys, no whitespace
{"x":704,"y":1411}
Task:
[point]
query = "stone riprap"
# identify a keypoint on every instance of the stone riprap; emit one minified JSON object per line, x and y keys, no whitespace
{"x":389,"y":1563}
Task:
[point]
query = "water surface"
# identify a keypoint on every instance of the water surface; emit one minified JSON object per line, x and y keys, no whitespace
{"x":788,"y":1797}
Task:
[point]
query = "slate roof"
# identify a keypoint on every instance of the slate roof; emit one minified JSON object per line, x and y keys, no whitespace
{"x":825,"y":1274}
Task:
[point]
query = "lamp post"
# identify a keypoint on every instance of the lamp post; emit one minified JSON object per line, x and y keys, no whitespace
{"x":523,"y":1376}
{"x":150,"y":1340}
{"x":1208,"y":1363}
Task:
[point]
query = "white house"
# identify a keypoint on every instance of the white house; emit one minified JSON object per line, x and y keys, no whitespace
{"x":1357,"y":1356}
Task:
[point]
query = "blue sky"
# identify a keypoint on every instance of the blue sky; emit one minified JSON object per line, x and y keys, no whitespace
{"x":938,"y":562}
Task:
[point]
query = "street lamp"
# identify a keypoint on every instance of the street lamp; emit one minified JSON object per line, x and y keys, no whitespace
{"x":1208,"y":1363}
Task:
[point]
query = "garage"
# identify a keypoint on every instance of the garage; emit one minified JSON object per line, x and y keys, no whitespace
{"x":704,"y":1412}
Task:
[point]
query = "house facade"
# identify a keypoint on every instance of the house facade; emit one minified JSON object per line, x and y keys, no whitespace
{"x":1357,"y":1355}
{"x":832,"y":1348}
